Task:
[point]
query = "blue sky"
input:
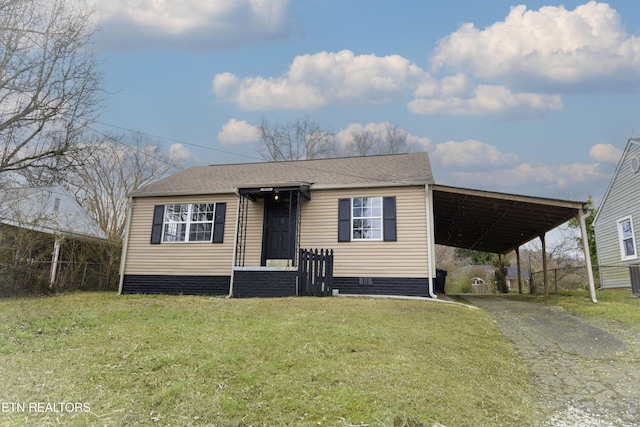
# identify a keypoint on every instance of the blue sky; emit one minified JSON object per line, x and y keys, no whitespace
{"x":535,"y":98}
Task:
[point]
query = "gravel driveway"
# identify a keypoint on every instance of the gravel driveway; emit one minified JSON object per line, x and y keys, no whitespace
{"x":587,"y":370}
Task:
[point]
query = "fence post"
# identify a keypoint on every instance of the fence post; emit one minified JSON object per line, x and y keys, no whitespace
{"x":329,"y":273}
{"x":299,"y":278}
{"x":321,"y":265}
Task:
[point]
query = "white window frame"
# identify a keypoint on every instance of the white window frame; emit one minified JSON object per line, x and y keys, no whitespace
{"x":189,"y":221}
{"x":622,"y":238}
{"x":355,"y":218}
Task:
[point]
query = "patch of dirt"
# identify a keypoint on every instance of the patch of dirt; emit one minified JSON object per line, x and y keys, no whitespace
{"x":587,"y":370}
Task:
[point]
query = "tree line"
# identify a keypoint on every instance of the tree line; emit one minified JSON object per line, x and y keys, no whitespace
{"x":304,"y":138}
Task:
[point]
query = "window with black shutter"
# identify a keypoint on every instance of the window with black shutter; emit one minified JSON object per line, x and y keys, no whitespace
{"x":367,"y":218}
{"x":188,"y":222}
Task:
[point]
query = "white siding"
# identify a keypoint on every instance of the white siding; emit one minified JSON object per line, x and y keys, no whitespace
{"x":621,"y":201}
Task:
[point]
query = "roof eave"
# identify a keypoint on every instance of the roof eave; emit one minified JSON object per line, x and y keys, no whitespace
{"x":275,"y":185}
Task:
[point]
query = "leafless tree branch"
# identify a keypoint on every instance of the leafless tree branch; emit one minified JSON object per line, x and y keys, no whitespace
{"x":49,"y":82}
{"x":111,"y":169}
{"x":297,"y":140}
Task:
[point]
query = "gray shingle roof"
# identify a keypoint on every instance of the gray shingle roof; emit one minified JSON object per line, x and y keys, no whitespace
{"x":408,"y":168}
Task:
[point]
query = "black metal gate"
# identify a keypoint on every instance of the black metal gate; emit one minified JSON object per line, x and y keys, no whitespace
{"x":315,"y":272}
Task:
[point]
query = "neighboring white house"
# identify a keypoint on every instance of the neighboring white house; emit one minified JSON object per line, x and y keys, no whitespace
{"x":617,"y":223}
{"x":51,"y":212}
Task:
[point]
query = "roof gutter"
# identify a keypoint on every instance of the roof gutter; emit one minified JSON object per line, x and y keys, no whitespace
{"x":312,"y":186}
{"x":431,"y":246}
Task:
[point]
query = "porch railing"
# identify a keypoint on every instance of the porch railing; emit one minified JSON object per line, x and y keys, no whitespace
{"x":315,"y":272}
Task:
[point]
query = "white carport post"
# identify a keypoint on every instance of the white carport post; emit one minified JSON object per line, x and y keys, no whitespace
{"x":544,"y":262}
{"x":517,"y":250}
{"x":582,"y":216}
{"x":55,"y":258}
{"x":125,"y":244}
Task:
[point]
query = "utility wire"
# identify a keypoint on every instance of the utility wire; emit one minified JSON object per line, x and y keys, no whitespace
{"x":233,"y":153}
{"x":125,"y":145}
{"x":290,"y":163}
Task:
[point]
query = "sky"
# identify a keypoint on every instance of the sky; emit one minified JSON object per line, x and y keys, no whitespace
{"x":536,"y":98}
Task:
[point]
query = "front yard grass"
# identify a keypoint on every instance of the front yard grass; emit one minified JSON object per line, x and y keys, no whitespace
{"x":178,"y":360}
{"x":613,"y":304}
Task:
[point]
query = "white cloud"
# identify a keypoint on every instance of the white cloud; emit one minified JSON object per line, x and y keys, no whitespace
{"x":236,"y":132}
{"x":487,"y":100}
{"x":379,"y":129}
{"x":514,"y":69}
{"x":449,"y":86}
{"x":419,"y":143}
{"x":316,"y":80}
{"x":191,"y":24}
{"x":583,"y":49}
{"x":605,"y":153}
{"x":179,"y":152}
{"x":470,"y":152}
{"x":562,"y":176}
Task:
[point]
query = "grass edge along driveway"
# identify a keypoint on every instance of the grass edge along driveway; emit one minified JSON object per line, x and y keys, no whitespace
{"x":180,"y":360}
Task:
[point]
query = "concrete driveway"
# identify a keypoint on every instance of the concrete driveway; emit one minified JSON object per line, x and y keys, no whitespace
{"x":587,"y":370}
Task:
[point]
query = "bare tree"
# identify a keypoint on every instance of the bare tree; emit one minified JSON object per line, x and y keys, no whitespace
{"x":49,"y":83}
{"x":367,"y":142}
{"x":111,"y":169}
{"x":297,"y":140}
{"x":395,"y":139}
{"x":363,"y":143}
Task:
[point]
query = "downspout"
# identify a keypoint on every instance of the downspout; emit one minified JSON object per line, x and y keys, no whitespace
{"x":582,"y":218}
{"x":235,"y":245}
{"x":430,"y":239}
{"x":125,"y":244}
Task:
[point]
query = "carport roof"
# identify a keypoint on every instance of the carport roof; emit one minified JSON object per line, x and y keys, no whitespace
{"x":495,"y":222}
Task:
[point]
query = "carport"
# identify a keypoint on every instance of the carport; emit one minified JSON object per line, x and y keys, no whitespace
{"x":500,"y":222}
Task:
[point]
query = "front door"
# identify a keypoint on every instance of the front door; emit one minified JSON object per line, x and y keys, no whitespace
{"x":278,"y":242}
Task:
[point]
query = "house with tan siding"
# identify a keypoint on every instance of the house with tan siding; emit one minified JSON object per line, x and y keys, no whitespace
{"x":237,"y":229}
{"x":617,"y":223}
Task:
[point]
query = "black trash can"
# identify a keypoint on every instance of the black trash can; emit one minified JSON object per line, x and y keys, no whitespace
{"x":634,"y":273}
{"x":441,"y":276}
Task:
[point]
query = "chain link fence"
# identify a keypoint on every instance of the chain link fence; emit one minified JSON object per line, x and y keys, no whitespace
{"x":558,"y":279}
{"x":36,"y":263}
{"x":35,"y":277}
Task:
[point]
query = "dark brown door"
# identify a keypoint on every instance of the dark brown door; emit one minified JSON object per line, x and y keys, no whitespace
{"x":279,"y":230}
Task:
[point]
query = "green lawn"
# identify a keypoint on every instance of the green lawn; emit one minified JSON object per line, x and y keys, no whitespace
{"x":167,"y":360}
{"x":612,"y":304}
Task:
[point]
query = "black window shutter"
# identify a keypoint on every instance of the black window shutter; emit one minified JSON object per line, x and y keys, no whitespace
{"x":389,"y":217}
{"x":218,"y":223}
{"x":344,"y":220}
{"x":156,"y":228}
